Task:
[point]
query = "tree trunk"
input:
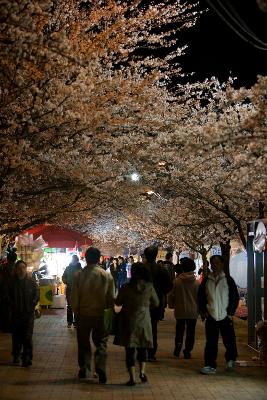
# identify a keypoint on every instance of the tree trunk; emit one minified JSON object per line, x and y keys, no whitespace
{"x":225,"y":248}
{"x":203,"y":253}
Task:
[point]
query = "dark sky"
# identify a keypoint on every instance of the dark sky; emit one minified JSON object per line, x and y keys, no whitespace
{"x":215,"y":49}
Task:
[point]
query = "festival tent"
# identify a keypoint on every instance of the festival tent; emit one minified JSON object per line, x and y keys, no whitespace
{"x":56,"y":245}
{"x":59,"y":237}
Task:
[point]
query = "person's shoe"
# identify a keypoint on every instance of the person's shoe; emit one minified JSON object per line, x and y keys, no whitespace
{"x":187,"y":355}
{"x":130,"y":383}
{"x":176,"y":352}
{"x":69,"y":325}
{"x":74,"y":325}
{"x":102,"y":377}
{"x":16,"y":360}
{"x":143,"y":377}
{"x":151,"y":359}
{"x":230,"y":365}
{"x":26,"y":363}
{"x":207,"y":370}
{"x":82,"y":373}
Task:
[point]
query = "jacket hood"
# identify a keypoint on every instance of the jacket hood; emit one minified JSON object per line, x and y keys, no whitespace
{"x":217,"y":278}
{"x":188,"y":276}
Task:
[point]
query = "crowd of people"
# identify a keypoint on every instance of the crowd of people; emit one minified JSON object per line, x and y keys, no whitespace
{"x":142,"y":290}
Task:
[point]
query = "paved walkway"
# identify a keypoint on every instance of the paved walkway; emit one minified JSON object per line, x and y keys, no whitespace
{"x":54,"y":371}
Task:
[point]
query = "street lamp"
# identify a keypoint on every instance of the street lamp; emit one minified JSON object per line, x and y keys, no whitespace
{"x":135,"y":177}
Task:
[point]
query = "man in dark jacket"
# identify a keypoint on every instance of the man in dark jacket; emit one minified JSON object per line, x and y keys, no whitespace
{"x":168,"y":264}
{"x":217,"y":301}
{"x":67,"y":278}
{"x":23,"y":297}
{"x":6,"y":274}
{"x":162,"y":284}
{"x":121,"y":272}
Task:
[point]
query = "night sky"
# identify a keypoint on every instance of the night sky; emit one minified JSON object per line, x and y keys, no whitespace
{"x":215,"y":49}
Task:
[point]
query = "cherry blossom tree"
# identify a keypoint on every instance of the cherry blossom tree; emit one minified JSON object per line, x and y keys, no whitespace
{"x":85,"y":102}
{"x":67,"y":99}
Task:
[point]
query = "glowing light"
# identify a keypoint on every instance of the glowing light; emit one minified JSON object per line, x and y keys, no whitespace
{"x":135,"y":177}
{"x":150,"y":192}
{"x":117,"y":227}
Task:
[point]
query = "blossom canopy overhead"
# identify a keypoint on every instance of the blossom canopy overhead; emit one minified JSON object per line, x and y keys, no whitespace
{"x":88,"y":99}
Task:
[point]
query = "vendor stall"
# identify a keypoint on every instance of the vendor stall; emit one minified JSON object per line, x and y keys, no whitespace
{"x":46,"y":291}
{"x":61,"y":244}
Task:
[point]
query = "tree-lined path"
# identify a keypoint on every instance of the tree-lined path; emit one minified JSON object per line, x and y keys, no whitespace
{"x":54,"y":371}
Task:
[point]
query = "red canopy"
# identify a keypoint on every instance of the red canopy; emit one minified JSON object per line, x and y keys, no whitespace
{"x":56,"y":236}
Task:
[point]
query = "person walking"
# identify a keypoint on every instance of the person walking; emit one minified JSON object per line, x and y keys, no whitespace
{"x":183,"y":298}
{"x":23,"y":297}
{"x":114,"y":271}
{"x":162,"y":284}
{"x":92,"y":292}
{"x":135,"y":331}
{"x":218,"y":300}
{"x":121,"y":272}
{"x":6,"y":273}
{"x":102,"y":263}
{"x":168,"y":264}
{"x":129,"y":264}
{"x":67,"y":278}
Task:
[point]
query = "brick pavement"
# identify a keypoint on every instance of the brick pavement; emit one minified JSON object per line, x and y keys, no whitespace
{"x":54,"y":370}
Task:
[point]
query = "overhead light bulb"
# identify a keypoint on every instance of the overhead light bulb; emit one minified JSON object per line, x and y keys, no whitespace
{"x":117,"y":227}
{"x":135,"y":177}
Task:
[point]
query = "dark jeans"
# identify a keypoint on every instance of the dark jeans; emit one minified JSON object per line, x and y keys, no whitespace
{"x":70,"y":318}
{"x":213,"y":328}
{"x":122,"y":279}
{"x":154,"y":323}
{"x":86,"y":325}
{"x":22,"y":330}
{"x":190,"y":325}
{"x":130,"y":356}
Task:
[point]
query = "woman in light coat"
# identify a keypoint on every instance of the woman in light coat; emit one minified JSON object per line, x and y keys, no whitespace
{"x":135,"y":331}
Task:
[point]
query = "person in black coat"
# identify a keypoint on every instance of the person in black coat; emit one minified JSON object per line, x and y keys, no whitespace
{"x":162,"y":284}
{"x":23,"y":297}
{"x":113,"y":267}
{"x":67,"y":278}
{"x":6,"y":274}
{"x":121,"y":272}
{"x":168,"y":264}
